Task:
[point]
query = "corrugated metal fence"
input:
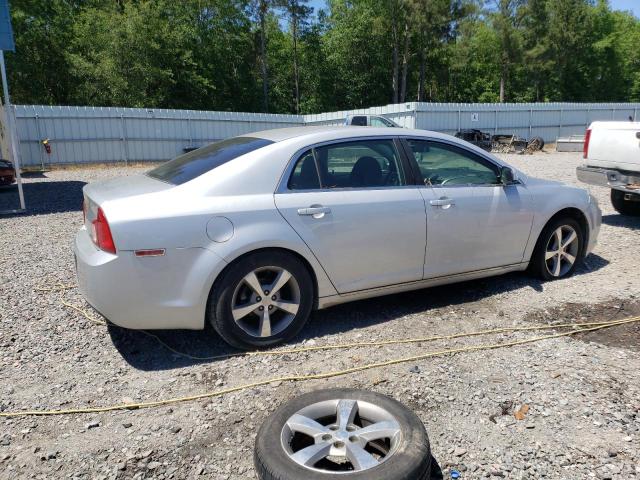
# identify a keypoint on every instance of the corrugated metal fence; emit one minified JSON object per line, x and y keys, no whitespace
{"x":90,"y":135}
{"x":103,"y":134}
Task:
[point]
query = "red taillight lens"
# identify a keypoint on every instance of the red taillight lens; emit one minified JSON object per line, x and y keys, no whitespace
{"x":102,"y":233}
{"x":587,"y":138}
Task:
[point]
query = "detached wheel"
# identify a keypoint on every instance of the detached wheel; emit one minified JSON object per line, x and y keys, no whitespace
{"x":262,"y":300}
{"x":625,"y":207}
{"x":342,"y":434}
{"x":559,"y":249}
{"x":535,"y":144}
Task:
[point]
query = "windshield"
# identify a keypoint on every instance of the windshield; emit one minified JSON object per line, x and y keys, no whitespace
{"x":193,"y":164}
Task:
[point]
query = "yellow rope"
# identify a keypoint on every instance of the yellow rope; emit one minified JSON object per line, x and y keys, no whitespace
{"x":341,"y":346}
{"x":320,"y":376}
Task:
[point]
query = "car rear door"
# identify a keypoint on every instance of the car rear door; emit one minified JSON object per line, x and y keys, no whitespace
{"x":351,"y":203}
{"x":475,"y":222}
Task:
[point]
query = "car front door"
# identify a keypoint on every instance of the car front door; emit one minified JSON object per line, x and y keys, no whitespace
{"x":351,"y":203}
{"x":474,"y":221}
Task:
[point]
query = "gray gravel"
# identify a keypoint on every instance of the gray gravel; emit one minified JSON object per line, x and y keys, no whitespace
{"x":583,"y":392}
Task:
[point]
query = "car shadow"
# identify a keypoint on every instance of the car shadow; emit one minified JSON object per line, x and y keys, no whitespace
{"x":44,"y":197}
{"x":158,"y":349}
{"x":624,"y":221}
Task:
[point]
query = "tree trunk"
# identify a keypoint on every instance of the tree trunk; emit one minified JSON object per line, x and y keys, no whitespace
{"x":294,"y":31}
{"x":421,"y":79}
{"x":405,"y":64}
{"x":263,"y":55}
{"x":503,"y":80}
{"x":394,"y":80}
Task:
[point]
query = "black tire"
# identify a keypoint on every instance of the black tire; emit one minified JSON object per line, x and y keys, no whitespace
{"x":536,"y":143}
{"x":538,"y":263}
{"x":411,"y":459}
{"x":221,"y":297}
{"x":625,"y":207}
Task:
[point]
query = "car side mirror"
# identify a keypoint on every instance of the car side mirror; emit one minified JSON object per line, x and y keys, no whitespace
{"x":507,"y":176}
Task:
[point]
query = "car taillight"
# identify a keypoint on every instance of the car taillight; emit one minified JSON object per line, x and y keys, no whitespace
{"x":102,"y":233}
{"x":587,"y":138}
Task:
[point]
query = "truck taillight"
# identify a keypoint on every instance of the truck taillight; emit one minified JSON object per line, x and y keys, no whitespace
{"x":101,"y":233}
{"x":587,"y":137}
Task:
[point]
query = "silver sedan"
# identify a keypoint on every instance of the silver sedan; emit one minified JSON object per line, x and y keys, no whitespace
{"x":252,"y":233}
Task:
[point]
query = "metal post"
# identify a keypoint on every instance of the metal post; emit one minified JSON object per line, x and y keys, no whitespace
{"x":496,"y":129}
{"x":635,"y":114}
{"x":189,"y":132}
{"x":530,"y":122}
{"x":123,"y":136}
{"x":459,"y":120}
{"x":560,"y":128}
{"x":40,"y":138}
{"x":12,"y":121}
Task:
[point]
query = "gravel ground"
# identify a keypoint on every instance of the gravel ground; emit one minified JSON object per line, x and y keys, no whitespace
{"x":583,"y":392}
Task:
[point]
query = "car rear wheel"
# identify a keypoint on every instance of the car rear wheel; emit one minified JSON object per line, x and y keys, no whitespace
{"x":342,"y":434}
{"x":559,"y":249}
{"x":261,"y":300}
{"x":623,"y":206}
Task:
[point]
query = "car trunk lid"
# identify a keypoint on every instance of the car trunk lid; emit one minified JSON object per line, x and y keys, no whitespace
{"x":97,"y":194}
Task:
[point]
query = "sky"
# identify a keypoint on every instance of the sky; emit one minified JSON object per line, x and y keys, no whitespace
{"x":633,"y":5}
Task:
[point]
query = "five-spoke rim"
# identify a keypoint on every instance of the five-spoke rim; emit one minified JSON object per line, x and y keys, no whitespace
{"x":341,"y":436}
{"x":562,"y":250}
{"x":266,"y":301}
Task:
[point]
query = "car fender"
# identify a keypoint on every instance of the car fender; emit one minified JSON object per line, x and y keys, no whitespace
{"x":549,"y":198}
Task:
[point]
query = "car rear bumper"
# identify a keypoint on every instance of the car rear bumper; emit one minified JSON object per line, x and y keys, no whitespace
{"x":168,"y":291}
{"x":602,"y":177}
{"x":7,"y":178}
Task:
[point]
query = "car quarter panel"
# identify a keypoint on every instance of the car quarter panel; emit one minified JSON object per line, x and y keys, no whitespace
{"x":168,"y":291}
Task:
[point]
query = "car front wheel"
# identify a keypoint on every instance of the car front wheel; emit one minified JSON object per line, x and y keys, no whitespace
{"x":559,"y":249}
{"x":261,"y":300}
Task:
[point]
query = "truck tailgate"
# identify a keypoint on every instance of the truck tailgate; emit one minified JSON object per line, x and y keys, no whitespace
{"x":615,"y":145}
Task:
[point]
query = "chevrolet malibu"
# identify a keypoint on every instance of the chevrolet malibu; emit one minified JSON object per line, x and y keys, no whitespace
{"x":252,"y":233}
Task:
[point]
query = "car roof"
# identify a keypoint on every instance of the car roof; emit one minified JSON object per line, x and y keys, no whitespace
{"x":332,"y":132}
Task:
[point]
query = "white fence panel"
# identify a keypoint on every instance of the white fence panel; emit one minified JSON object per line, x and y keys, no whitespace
{"x":104,"y":134}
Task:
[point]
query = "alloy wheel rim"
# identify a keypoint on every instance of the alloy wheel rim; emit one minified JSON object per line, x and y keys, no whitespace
{"x":562,"y":251}
{"x":341,"y":436}
{"x":265,"y":301}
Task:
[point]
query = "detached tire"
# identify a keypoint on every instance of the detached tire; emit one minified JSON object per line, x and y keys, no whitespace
{"x":625,"y":207}
{"x":342,"y":434}
{"x":559,"y":249}
{"x":261,"y":300}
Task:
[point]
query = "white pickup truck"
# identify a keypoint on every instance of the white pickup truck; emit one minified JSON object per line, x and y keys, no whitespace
{"x":612,"y":159}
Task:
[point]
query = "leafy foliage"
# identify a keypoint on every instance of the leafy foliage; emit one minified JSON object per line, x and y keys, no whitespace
{"x":281,"y":56}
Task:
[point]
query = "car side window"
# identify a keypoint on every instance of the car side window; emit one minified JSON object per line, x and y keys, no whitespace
{"x":358,"y":164}
{"x":359,"y":121}
{"x":443,"y":164}
{"x":305,"y":174}
{"x":381,"y":122}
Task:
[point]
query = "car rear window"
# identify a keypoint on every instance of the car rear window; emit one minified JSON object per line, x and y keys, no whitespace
{"x":193,"y":164}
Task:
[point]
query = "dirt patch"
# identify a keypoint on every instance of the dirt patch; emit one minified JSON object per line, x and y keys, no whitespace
{"x":623,"y":336}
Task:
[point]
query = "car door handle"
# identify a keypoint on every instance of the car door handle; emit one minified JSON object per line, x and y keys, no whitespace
{"x":315,"y":211}
{"x":443,"y":202}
